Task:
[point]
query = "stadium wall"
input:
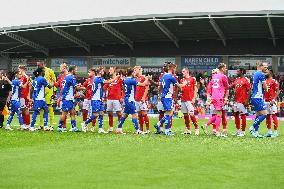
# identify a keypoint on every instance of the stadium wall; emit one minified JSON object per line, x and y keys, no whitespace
{"x":151,"y":64}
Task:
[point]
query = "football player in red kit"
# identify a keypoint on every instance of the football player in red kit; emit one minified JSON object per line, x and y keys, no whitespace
{"x":25,"y":99}
{"x":242,"y":88}
{"x":87,"y":108}
{"x":141,"y":100}
{"x":270,"y":97}
{"x":114,"y":92}
{"x":189,"y":92}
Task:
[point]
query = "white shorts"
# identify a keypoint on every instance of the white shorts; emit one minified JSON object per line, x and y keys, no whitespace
{"x":187,"y":107}
{"x":160,"y":106}
{"x":239,"y":107}
{"x":271,"y":108}
{"x":87,"y":104}
{"x":23,"y":103}
{"x":113,"y":106}
{"x":141,"y":106}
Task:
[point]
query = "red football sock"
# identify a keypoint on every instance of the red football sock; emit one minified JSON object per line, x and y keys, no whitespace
{"x":268,"y":121}
{"x":94,"y":122}
{"x":194,"y":121}
{"x":147,"y":121}
{"x":244,"y":122}
{"x":186,"y":121}
{"x":85,"y":115}
{"x":141,"y":122}
{"x":224,"y":119}
{"x":161,"y":115}
{"x":28,"y":119}
{"x":24,"y":116}
{"x":110,"y":120}
{"x":275,"y":121}
{"x":237,"y":120}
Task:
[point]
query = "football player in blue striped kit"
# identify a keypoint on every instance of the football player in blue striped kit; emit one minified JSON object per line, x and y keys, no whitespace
{"x":69,"y":85}
{"x":129,"y":101}
{"x":39,"y":84}
{"x":15,"y":105}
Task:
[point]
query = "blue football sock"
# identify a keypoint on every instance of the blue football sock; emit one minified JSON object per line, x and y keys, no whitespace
{"x":161,"y":121}
{"x":101,"y":119}
{"x":10,"y":118}
{"x":90,"y":119}
{"x":168,"y":121}
{"x":19,"y":115}
{"x":34,"y":118}
{"x":135,"y":122}
{"x":60,"y":124}
{"x":257,"y":121}
{"x":73,"y":123}
{"x":121,"y":121}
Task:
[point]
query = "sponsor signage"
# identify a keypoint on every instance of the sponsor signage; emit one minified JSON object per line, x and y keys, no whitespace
{"x":200,"y":63}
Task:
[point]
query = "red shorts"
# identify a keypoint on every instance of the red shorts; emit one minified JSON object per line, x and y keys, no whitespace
{"x":218,"y":104}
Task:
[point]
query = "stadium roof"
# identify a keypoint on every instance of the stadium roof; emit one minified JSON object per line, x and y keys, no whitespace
{"x":95,"y":36}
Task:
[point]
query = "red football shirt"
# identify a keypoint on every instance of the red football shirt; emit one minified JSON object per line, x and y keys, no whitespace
{"x":140,"y":90}
{"x":242,"y":86}
{"x":114,"y":90}
{"x":59,"y":82}
{"x":24,"y":91}
{"x":189,"y":89}
{"x":88,"y":85}
{"x":272,"y":86}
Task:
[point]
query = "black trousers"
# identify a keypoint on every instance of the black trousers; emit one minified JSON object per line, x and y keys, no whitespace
{"x":2,"y":106}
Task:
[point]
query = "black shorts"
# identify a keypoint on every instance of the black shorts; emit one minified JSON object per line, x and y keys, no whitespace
{"x":2,"y":105}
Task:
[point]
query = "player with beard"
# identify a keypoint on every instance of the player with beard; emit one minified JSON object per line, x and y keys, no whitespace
{"x":242,"y":88}
{"x":114,"y":92}
{"x":270,"y":97}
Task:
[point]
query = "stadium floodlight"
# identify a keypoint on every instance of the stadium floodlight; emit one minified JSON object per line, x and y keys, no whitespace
{"x":166,"y":31}
{"x":72,"y":38}
{"x":271,"y":30}
{"x":118,"y":34}
{"x":27,"y":42}
{"x":218,"y":30}
{"x":4,"y":55}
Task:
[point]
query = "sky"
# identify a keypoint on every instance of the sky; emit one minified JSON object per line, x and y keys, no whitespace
{"x":25,"y":12}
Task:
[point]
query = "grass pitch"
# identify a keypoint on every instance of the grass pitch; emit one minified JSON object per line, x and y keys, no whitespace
{"x":91,"y":160}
